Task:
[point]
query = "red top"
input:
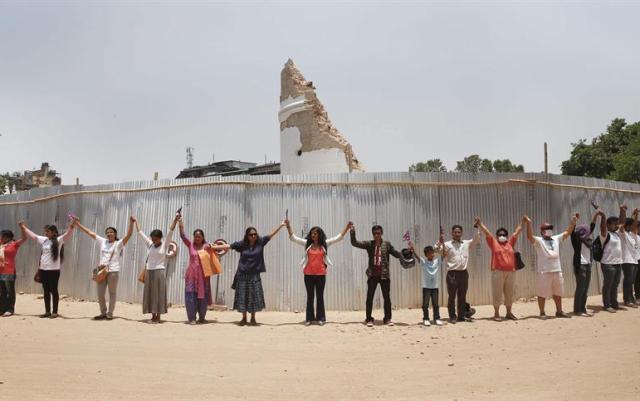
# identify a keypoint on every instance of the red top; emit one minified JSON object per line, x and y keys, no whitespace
{"x":503,"y":256}
{"x":315,"y":263}
{"x":8,"y":264}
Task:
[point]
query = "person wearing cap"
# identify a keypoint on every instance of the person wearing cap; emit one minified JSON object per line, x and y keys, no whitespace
{"x":378,"y":251}
{"x":503,"y":267}
{"x":582,"y":242}
{"x":629,"y":244}
{"x":550,"y":282}
{"x":611,"y":240}
{"x":456,"y":261}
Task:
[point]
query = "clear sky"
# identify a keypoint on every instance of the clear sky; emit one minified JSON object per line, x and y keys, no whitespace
{"x":112,"y":93}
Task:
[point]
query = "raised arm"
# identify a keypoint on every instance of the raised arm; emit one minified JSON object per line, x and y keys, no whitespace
{"x":27,"y":231}
{"x":129,"y":233}
{"x":483,"y":228}
{"x":339,"y":237}
{"x":223,"y":247}
{"x":84,"y":229}
{"x":177,"y":218}
{"x":355,"y":242}
{"x":146,"y":239}
{"x":527,"y":221}
{"x":622,"y":218}
{"x":24,"y":237}
{"x":67,"y":234}
{"x":476,"y":236}
{"x":276,"y":230}
{"x":572,"y":226}
{"x":634,"y":229}
{"x":603,"y":223}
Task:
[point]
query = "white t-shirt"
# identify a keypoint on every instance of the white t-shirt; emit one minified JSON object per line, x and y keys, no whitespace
{"x":612,"y":253}
{"x":458,"y":254}
{"x":106,"y":248}
{"x":548,"y":253}
{"x":46,"y":260}
{"x":157,"y":256}
{"x":585,"y":255}
{"x":629,"y":242}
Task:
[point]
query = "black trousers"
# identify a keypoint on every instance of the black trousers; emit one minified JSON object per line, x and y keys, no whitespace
{"x":49,"y":280}
{"x":583,"y":278}
{"x":385,"y":286}
{"x":7,"y":296}
{"x":629,"y":273}
{"x":636,"y":282}
{"x":457,"y":285}
{"x":430,"y":294}
{"x":611,"y":278}
{"x":315,"y":284}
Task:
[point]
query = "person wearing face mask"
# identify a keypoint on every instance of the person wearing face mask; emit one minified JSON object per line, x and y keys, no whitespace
{"x":582,"y":243}
{"x":154,"y":298}
{"x":503,"y":266}
{"x":314,"y":264}
{"x":610,"y":238}
{"x":549,"y":279}
{"x":111,"y":256}
{"x":456,"y":261}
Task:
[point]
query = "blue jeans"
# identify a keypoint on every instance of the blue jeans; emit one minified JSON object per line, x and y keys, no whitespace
{"x":611,"y":274}
{"x":195,"y":306}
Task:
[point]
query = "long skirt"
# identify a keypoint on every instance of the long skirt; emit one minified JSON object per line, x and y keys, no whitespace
{"x":154,"y":298}
{"x":249,"y":295}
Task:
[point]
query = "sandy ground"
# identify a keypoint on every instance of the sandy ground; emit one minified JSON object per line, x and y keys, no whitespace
{"x":75,"y":358}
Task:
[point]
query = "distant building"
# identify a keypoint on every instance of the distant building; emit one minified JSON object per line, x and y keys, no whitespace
{"x":44,"y":177}
{"x":228,"y":168}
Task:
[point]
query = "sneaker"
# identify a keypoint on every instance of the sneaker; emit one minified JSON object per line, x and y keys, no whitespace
{"x":370,"y":323}
{"x":439,"y":322}
{"x":497,"y":318}
{"x":321,"y":322}
{"x":7,"y":314}
{"x":610,"y":310}
{"x":638,"y":301}
{"x":109,"y":317}
{"x":192,"y":322}
{"x":562,"y":315}
{"x":307,"y":323}
{"x":511,"y":316}
{"x":585,"y":314}
{"x":426,"y":323}
{"x":465,"y":319}
{"x":53,"y":316}
{"x":390,"y":323}
{"x":630,"y":305}
{"x":100,"y":317}
{"x":45,"y":315}
{"x":543,"y":316}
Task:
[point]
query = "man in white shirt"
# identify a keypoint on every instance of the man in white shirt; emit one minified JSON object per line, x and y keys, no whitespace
{"x":629,"y":258}
{"x":611,"y":240}
{"x":550,"y":281}
{"x":455,"y":261}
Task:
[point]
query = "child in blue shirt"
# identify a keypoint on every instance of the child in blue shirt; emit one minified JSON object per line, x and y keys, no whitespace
{"x":430,"y":282}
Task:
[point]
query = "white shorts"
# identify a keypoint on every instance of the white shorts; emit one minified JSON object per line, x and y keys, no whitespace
{"x":550,"y":284}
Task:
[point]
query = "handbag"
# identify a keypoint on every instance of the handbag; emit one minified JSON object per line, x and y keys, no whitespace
{"x":519,"y":262}
{"x":36,"y":277}
{"x":210,"y":262}
{"x":142,"y":274}
{"x":99,"y":274}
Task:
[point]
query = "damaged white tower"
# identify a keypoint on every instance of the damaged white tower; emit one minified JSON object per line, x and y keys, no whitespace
{"x":309,"y":143}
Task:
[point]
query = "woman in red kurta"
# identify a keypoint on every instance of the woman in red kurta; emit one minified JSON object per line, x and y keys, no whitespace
{"x":8,"y":251}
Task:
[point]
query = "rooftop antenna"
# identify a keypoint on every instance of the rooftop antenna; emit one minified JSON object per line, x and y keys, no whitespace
{"x":190,"y":157}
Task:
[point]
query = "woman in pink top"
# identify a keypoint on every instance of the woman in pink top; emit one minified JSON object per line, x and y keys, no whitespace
{"x":315,"y":262}
{"x":503,"y":266}
{"x":8,"y":251}
{"x":197,"y":287}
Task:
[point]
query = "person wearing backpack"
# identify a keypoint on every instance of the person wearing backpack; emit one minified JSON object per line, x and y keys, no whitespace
{"x":629,"y":258}
{"x":608,"y":251}
{"x":582,"y":242}
{"x":549,"y":278}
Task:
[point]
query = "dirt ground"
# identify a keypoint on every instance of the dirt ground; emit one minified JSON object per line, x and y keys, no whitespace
{"x":75,"y":358}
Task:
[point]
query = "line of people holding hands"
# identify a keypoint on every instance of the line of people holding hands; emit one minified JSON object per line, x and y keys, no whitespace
{"x":616,"y":247}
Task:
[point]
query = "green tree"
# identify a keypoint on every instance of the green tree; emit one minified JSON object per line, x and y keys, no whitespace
{"x":430,"y":166}
{"x":506,"y":166}
{"x":610,"y":155}
{"x":474,"y":164}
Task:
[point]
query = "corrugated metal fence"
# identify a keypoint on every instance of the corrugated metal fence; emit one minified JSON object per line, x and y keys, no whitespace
{"x":224,"y":207}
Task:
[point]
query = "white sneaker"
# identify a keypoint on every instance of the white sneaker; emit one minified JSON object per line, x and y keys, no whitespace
{"x":439,"y":322}
{"x":7,"y":314}
{"x":370,"y":323}
{"x":426,"y":323}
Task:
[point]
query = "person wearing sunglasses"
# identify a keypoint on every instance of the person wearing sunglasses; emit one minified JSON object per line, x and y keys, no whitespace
{"x":249,"y":295}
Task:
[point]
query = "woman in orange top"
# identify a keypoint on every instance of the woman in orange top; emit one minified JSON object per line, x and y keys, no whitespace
{"x":503,"y":266}
{"x":315,"y":262}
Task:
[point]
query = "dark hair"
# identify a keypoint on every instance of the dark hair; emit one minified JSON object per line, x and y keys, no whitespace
{"x":7,"y":233}
{"x":56,"y":250}
{"x":322,"y":237}
{"x":628,"y":222}
{"x":612,"y":220}
{"x":502,"y":230}
{"x":156,"y":233}
{"x":114,"y":230}
{"x":428,"y":248}
{"x":246,"y":234}
{"x":196,"y":231}
{"x":377,"y":227}
{"x":456,"y":226}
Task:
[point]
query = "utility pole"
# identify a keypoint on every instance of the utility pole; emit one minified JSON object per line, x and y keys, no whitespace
{"x":546,"y":163}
